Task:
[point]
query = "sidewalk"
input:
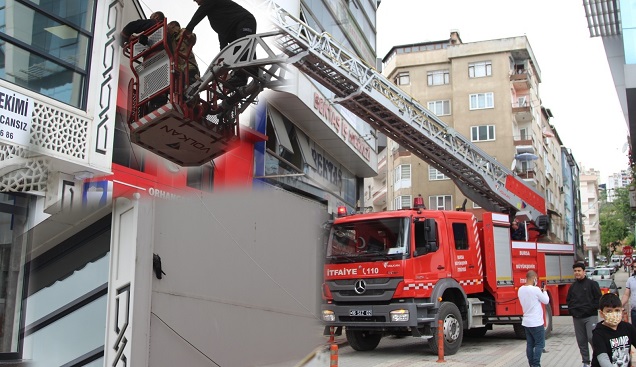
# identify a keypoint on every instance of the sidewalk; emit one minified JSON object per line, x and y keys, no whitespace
{"x":499,"y":348}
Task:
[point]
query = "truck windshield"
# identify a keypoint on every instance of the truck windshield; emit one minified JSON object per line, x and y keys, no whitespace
{"x":369,"y":240}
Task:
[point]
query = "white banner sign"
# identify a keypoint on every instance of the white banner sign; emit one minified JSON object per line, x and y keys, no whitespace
{"x":16,"y":113}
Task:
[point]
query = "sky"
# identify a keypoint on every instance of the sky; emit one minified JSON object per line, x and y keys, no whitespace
{"x":576,"y":82}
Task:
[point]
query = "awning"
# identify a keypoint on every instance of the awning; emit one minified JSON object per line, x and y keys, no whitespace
{"x":279,"y":129}
{"x":305,"y":150}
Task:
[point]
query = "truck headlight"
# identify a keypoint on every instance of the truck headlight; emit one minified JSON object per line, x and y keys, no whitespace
{"x":399,"y":315}
{"x":328,"y":315}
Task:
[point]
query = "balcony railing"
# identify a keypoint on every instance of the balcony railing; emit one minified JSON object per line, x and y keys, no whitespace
{"x":521,"y":79}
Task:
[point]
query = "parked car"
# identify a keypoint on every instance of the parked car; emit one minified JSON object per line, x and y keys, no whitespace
{"x":602,"y":273}
{"x":589,"y":270}
{"x":608,"y":286}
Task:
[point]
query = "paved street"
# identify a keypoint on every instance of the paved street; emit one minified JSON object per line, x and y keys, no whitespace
{"x":498,"y":348}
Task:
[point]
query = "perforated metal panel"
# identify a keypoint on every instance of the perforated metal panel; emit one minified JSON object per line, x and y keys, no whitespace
{"x":154,"y":75}
{"x":155,"y":37}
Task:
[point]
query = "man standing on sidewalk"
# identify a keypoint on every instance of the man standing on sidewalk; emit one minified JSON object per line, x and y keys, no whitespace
{"x":582,"y":299}
{"x":629,"y":296}
{"x":531,"y":298}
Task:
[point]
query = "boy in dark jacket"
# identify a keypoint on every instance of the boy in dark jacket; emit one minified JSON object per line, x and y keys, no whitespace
{"x":583,"y":300}
{"x":612,"y":338}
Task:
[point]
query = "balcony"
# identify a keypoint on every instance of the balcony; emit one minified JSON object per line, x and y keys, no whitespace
{"x":521,"y":80}
{"x":379,"y":196}
{"x":528,"y":175}
{"x":524,"y":144}
{"x":522,"y":111}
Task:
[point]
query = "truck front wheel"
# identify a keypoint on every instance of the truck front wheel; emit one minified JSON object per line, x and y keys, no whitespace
{"x":362,"y":340}
{"x":453,"y":329}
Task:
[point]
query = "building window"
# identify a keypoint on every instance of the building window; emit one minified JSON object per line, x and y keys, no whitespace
{"x":201,"y":178}
{"x":440,"y":202}
{"x":440,"y":108}
{"x":403,"y":79}
{"x":479,"y":69}
{"x":46,"y":47}
{"x":482,"y":133}
{"x":402,"y":202}
{"x":438,"y":77}
{"x":402,"y":177}
{"x":480,"y":101}
{"x":435,"y":175}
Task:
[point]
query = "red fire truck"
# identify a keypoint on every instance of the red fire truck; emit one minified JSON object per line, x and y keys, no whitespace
{"x":399,"y":272}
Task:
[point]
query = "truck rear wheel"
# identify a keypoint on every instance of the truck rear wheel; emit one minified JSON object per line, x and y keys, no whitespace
{"x":362,"y":340}
{"x":520,"y":332}
{"x":453,"y":329}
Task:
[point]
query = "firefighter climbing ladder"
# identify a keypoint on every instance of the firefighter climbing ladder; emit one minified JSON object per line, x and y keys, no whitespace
{"x":372,"y":97}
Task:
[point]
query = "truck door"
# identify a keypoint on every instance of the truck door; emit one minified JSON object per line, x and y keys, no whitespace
{"x":465,"y":253}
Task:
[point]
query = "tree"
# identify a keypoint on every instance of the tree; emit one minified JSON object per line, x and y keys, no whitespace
{"x":617,"y":220}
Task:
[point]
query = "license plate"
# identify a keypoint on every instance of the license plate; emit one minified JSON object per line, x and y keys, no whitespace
{"x":360,"y":313}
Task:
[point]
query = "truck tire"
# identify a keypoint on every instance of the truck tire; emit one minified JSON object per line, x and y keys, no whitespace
{"x":362,"y":340}
{"x":453,"y":329}
{"x":520,"y":332}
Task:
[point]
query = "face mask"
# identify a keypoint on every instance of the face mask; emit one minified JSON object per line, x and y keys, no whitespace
{"x":612,"y":318}
{"x":535,"y":282}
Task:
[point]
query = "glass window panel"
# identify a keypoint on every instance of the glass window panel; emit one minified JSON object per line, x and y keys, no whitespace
{"x":79,"y":12}
{"x":82,"y":281}
{"x":629,"y":45}
{"x":96,"y":363}
{"x":69,"y":337}
{"x":45,"y":34}
{"x":30,"y":71}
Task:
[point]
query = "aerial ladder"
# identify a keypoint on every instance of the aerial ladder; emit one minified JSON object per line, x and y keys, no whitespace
{"x":363,"y":91}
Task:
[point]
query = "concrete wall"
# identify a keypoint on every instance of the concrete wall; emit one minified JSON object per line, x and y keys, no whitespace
{"x":242,"y":284}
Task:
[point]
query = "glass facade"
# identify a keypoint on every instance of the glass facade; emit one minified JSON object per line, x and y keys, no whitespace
{"x":45,"y":46}
{"x":628,"y":24}
{"x":14,"y":211}
{"x":65,"y":300}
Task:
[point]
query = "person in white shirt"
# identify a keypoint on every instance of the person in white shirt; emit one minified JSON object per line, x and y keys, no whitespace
{"x":532,"y":299}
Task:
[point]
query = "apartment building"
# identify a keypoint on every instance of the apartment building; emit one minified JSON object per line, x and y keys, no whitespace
{"x":617,"y":180}
{"x":589,"y":179}
{"x":487,"y":91}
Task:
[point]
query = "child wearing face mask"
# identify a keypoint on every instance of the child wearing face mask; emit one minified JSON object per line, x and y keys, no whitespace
{"x":612,"y":338}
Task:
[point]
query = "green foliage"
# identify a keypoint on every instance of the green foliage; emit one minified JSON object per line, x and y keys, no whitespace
{"x":617,"y":220}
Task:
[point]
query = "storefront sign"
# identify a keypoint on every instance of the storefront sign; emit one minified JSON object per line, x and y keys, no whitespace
{"x":341,"y":126}
{"x":16,"y":113}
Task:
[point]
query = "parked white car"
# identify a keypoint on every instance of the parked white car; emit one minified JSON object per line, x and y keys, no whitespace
{"x":602,"y":273}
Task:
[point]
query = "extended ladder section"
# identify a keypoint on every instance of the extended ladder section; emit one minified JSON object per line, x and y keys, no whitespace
{"x":372,"y":97}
